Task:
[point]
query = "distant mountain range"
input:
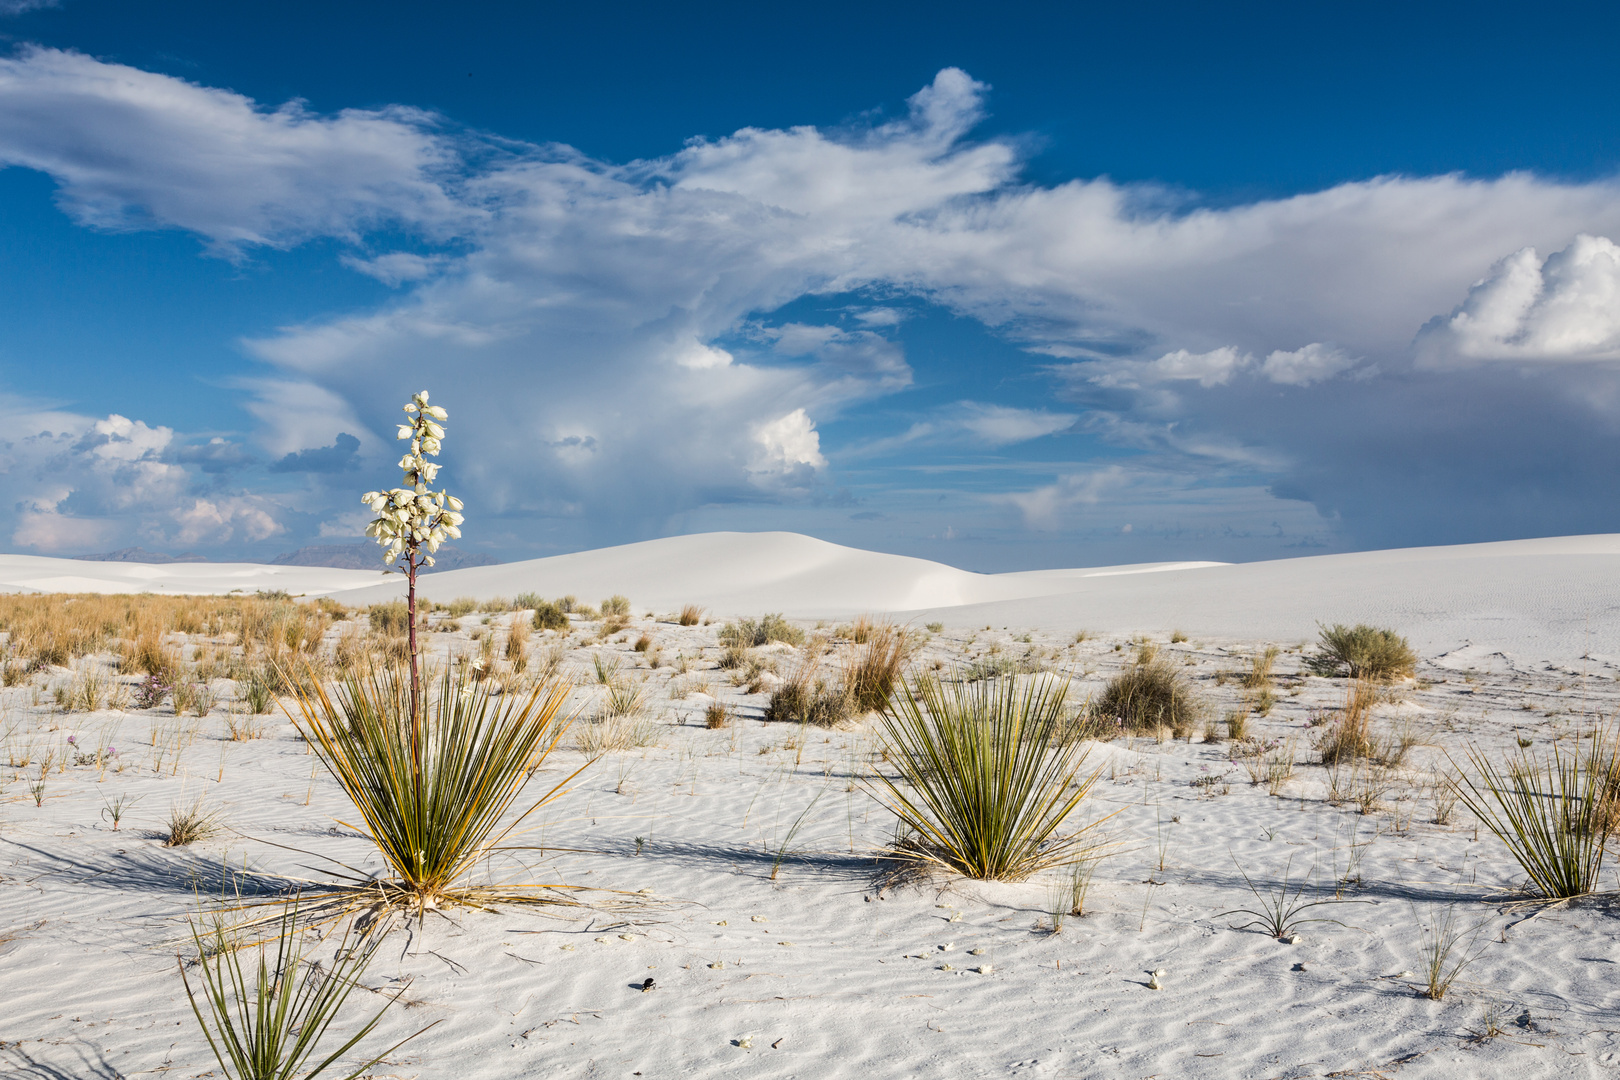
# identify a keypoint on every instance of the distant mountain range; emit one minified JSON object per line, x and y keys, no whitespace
{"x":136,"y":554}
{"x":340,"y":556}
{"x":369,"y":557}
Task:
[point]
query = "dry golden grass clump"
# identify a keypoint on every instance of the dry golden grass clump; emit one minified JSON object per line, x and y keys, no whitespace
{"x":876,"y":670}
{"x":1363,"y":652}
{"x":190,"y":823}
{"x":808,"y":698}
{"x":690,"y":615}
{"x":717,"y":716}
{"x":517,"y":644}
{"x":1151,"y":693}
{"x":749,"y":633}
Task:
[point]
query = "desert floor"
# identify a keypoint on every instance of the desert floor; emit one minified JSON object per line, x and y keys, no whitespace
{"x":735,"y":866}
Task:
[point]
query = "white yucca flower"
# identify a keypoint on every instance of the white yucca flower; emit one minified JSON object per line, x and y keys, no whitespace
{"x":411,"y":518}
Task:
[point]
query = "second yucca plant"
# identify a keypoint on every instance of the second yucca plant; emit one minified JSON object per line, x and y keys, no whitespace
{"x":984,"y":780}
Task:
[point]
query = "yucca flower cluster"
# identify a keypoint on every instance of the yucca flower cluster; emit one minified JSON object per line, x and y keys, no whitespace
{"x":412,"y":518}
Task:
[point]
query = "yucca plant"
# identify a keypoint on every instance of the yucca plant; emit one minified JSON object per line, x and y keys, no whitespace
{"x":266,"y":1021}
{"x":1554,"y":813}
{"x":435,"y":794}
{"x":984,"y":780}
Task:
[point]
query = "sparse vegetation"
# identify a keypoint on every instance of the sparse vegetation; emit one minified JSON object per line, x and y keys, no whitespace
{"x":549,"y":616}
{"x":616,"y":607}
{"x":690,"y":615}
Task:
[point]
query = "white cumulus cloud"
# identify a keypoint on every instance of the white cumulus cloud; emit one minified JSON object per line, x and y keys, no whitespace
{"x":1565,"y":307}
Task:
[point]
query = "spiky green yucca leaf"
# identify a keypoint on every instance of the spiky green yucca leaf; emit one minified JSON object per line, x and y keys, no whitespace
{"x":265,"y":1024}
{"x":1553,"y":813}
{"x":434,"y":794}
{"x":984,"y":779}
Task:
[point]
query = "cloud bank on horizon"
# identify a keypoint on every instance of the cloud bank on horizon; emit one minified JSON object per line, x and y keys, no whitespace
{"x":628,"y":348}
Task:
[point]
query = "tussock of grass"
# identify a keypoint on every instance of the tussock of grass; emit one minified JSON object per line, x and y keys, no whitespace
{"x":1555,"y":812}
{"x":1363,"y":652}
{"x":191,"y":822}
{"x":435,"y":791}
{"x":1149,"y":694}
{"x":983,"y":783}
{"x":748,"y":633}
{"x":716,"y":716}
{"x":807,"y":697}
{"x":690,"y":615}
{"x":616,"y":607}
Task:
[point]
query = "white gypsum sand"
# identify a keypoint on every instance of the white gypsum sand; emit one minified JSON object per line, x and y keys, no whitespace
{"x":816,"y":972}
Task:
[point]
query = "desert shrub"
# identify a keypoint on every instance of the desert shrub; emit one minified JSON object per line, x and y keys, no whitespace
{"x":983,"y":782}
{"x":691,"y":615}
{"x":496,"y":604}
{"x":643,"y":643}
{"x":1554,"y":813}
{"x":1149,"y":694}
{"x":549,"y":616}
{"x":761,"y":631}
{"x":716,"y":716}
{"x":391,"y":618}
{"x":734,"y":656}
{"x":935,"y":627}
{"x":527,"y":601}
{"x":616,"y":607}
{"x":462,"y":605}
{"x":1363,"y":652}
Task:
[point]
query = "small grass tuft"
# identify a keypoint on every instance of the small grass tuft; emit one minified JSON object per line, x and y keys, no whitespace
{"x":190,"y":823}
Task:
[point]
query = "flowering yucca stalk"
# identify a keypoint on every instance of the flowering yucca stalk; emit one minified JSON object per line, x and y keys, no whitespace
{"x":413,"y":521}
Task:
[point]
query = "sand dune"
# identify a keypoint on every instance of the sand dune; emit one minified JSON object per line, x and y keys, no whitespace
{"x":1555,"y":598}
{"x":34,"y":573}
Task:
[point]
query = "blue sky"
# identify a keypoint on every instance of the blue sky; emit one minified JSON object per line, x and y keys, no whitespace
{"x":1010,"y":286}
